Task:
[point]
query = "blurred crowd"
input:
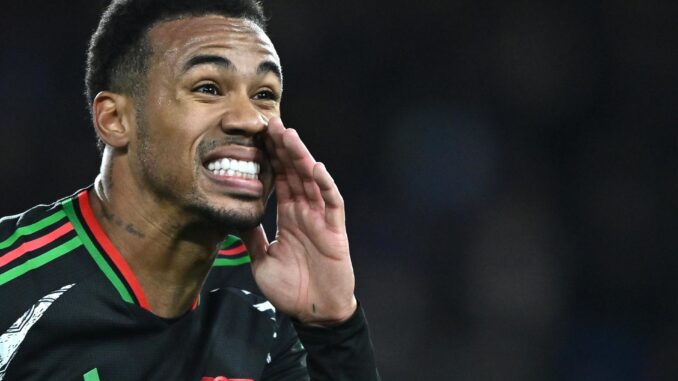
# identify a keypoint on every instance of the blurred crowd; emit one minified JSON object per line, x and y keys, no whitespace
{"x":509,"y":169}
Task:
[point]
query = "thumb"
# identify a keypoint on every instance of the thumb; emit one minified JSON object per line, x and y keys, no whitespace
{"x":255,"y":241}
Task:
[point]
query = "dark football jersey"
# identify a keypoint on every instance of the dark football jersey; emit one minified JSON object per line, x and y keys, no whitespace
{"x":71,"y":309}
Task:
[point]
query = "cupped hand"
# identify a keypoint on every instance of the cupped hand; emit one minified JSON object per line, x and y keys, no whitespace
{"x":306,"y":271}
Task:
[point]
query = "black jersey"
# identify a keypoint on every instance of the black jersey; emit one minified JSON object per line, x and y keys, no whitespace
{"x":71,"y":309}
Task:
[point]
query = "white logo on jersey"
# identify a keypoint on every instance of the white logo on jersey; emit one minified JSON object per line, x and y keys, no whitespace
{"x":15,"y":335}
{"x":265,"y":306}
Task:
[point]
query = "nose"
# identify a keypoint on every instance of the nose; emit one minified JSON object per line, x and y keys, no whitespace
{"x":242,"y":117}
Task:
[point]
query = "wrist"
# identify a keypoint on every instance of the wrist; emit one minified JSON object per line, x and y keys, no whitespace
{"x":337,"y":317}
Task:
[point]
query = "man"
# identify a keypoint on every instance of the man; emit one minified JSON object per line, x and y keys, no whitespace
{"x":132,"y":278}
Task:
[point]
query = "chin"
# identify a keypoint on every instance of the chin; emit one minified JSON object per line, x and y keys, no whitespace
{"x":246,"y":217}
{"x":231,"y":212}
{"x":236,"y":219}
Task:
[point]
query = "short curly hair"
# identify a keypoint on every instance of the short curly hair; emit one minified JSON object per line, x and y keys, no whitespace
{"x":119,"y":51}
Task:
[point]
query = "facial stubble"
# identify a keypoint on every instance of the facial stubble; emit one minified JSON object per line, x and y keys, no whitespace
{"x":193,"y":201}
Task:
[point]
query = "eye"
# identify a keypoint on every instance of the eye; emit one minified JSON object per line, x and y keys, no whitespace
{"x":207,"y":88}
{"x":266,"y":95}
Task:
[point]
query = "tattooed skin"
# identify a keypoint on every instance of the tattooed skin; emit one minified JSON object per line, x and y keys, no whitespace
{"x":128,"y":227}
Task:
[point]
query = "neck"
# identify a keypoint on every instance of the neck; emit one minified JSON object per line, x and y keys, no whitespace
{"x":169,"y":252}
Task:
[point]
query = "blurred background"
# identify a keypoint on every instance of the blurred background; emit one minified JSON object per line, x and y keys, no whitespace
{"x":509,"y":169}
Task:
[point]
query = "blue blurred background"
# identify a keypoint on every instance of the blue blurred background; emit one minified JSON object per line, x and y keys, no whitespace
{"x":509,"y":169}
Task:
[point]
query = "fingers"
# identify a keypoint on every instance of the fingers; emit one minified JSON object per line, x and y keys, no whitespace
{"x":334,"y":204}
{"x":255,"y":241}
{"x":293,"y":164}
{"x":299,"y":156}
{"x":300,"y":176}
{"x":303,"y":162}
{"x":286,"y":176}
{"x":282,"y":188}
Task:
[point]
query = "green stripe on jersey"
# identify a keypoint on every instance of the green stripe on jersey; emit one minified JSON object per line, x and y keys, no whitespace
{"x":32,"y":228}
{"x":230,"y":240}
{"x":94,"y":252}
{"x":232,"y":261}
{"x":92,"y":375}
{"x":40,"y":260}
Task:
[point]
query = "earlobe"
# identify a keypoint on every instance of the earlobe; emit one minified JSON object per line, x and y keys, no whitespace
{"x":111,"y":117}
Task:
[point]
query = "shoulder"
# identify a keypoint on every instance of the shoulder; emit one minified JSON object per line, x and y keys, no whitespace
{"x":40,"y":253}
{"x":30,"y":232}
{"x":32,"y":220}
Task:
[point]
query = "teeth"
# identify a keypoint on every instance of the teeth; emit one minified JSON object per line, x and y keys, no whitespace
{"x":225,"y":164}
{"x":237,"y":168}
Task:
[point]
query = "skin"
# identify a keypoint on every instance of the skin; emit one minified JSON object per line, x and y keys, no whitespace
{"x":167,"y":214}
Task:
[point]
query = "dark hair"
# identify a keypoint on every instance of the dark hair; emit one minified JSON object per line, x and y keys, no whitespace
{"x":117,"y":58}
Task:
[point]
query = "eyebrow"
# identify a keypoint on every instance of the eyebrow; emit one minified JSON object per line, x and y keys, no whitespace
{"x":209,"y":59}
{"x":270,"y":66}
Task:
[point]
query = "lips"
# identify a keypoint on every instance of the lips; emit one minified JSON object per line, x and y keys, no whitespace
{"x":236,"y":170}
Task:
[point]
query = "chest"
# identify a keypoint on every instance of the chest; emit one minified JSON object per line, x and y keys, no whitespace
{"x":73,"y":334}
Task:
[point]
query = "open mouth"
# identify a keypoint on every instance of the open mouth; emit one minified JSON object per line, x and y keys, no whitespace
{"x":234,"y":168}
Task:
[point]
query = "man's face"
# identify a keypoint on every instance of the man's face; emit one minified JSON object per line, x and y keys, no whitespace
{"x":213,"y":84}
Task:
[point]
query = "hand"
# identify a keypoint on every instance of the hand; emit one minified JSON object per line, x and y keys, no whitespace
{"x":306,"y":271}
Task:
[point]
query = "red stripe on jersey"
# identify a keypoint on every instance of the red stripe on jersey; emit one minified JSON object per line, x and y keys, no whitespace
{"x":35,"y":244}
{"x":196,"y":303}
{"x":222,"y":378}
{"x":111,"y":251}
{"x":234,"y":251}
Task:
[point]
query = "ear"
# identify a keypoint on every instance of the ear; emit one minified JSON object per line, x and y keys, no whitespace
{"x":113,"y":117}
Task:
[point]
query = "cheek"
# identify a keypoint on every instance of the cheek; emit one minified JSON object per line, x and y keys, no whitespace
{"x":174,"y":135}
{"x":167,"y":155}
{"x":171,"y":130}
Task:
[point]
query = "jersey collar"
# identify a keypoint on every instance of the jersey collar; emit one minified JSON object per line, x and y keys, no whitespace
{"x":101,"y":249}
{"x":112,"y":264}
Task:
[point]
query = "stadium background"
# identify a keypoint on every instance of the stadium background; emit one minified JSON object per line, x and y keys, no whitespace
{"x":509,"y":169}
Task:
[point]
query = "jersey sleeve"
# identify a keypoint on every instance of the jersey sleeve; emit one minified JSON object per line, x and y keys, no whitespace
{"x":342,"y":352}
